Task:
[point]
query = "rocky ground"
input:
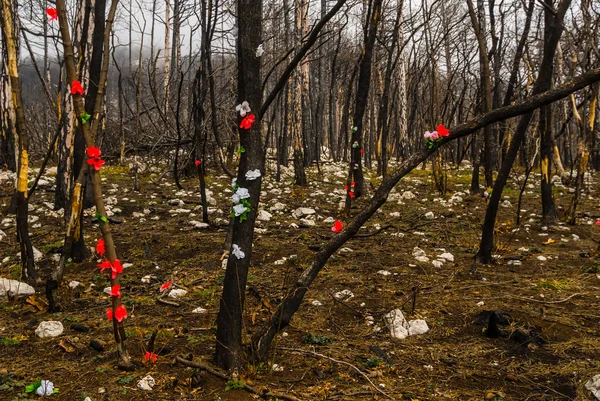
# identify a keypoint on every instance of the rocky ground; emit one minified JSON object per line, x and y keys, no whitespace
{"x":399,"y":302}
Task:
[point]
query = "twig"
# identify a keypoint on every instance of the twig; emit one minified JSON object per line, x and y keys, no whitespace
{"x":375,"y":232}
{"x":545,"y":302}
{"x":161,"y":300}
{"x":265,"y":394}
{"x":340,"y":362}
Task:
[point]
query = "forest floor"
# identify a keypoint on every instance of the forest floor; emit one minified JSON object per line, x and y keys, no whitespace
{"x":555,"y":298}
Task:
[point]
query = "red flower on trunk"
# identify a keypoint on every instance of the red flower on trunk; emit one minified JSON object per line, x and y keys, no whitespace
{"x":351,"y":195}
{"x":442,"y":131}
{"x":337,"y":227}
{"x":105,"y":265}
{"x":76,"y":88}
{"x":247,"y":122}
{"x":120,"y":313}
{"x":94,"y":157}
{"x":151,"y":356}
{"x":52,"y":14}
{"x":198,"y":162}
{"x":165,"y":286}
{"x":115,"y":291}
{"x":100,"y":250}
{"x":117,"y":268}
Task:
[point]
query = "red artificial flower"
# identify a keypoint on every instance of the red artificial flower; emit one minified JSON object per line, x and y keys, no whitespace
{"x":100,"y":247}
{"x":598,"y":223}
{"x":362,"y":151}
{"x":165,"y":286}
{"x":93,"y":151}
{"x":351,"y":194}
{"x":442,"y":131}
{"x":94,"y":157}
{"x":96,"y":162}
{"x":337,"y":227}
{"x":198,"y":162}
{"x":120,"y":313}
{"x":115,"y":291}
{"x":52,"y":14}
{"x":76,"y":88}
{"x":346,"y":187}
{"x":247,"y":122}
{"x":117,"y":268}
{"x":105,"y":265}
{"x":150,"y":356}
{"x":353,"y":183}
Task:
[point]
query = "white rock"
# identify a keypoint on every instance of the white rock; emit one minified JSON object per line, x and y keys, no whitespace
{"x":447,"y":255}
{"x":480,"y":303}
{"x":176,"y":202}
{"x":177,"y":293}
{"x":329,"y":220}
{"x":422,"y":259}
{"x":2,"y":235}
{"x":74,"y":284}
{"x":343,"y":295}
{"x":49,"y":329}
{"x":14,"y":288}
{"x":277,"y":207}
{"x":408,"y":195}
{"x":148,"y":278}
{"x":429,"y":215}
{"x":263,"y":215}
{"x":418,"y":252}
{"x":437,"y":263}
{"x":346,"y":250}
{"x":147,"y":383}
{"x":307,"y":223}
{"x":316,"y":303}
{"x":106,"y":290}
{"x":416,"y":327}
{"x":542,"y":258}
{"x":294,"y":225}
{"x":384,"y":272}
{"x":303,"y":211}
{"x":397,"y":324}
{"x":277,"y":368}
{"x":199,"y":310}
{"x":594,"y":386}
{"x":198,"y":224}
{"x":37,"y":255}
{"x":87,"y":399}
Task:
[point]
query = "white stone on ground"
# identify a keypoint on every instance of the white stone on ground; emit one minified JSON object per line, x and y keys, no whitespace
{"x":416,"y":327}
{"x":396,"y":322}
{"x":177,"y":293}
{"x":199,"y":310}
{"x":594,"y":386}
{"x":198,"y":224}
{"x":263,"y":215}
{"x":49,"y":329}
{"x":14,"y":288}
{"x":147,"y":383}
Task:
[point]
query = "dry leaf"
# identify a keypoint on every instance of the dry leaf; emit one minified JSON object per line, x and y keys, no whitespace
{"x":32,"y":300}
{"x":66,"y":345}
{"x":550,"y":241}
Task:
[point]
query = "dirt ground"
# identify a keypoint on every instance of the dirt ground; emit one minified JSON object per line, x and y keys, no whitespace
{"x":554,"y":299}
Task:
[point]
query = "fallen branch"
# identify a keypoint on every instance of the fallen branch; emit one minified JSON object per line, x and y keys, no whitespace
{"x":360,"y":372}
{"x":545,"y":302}
{"x":264,"y":394}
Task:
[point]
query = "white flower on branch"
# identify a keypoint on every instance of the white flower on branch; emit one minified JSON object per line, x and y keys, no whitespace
{"x":243,"y":108}
{"x":237,"y":251}
{"x":252,"y":175}
{"x":241,"y":193}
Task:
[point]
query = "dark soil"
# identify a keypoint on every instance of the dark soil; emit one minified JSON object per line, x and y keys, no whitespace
{"x":556,"y":299}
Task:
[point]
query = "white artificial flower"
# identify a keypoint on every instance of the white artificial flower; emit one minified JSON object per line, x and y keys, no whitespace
{"x":237,"y":251}
{"x":46,"y":388}
{"x":260,"y":50}
{"x":239,"y":209}
{"x":243,"y":108}
{"x":241,"y":193}
{"x":252,"y":175}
